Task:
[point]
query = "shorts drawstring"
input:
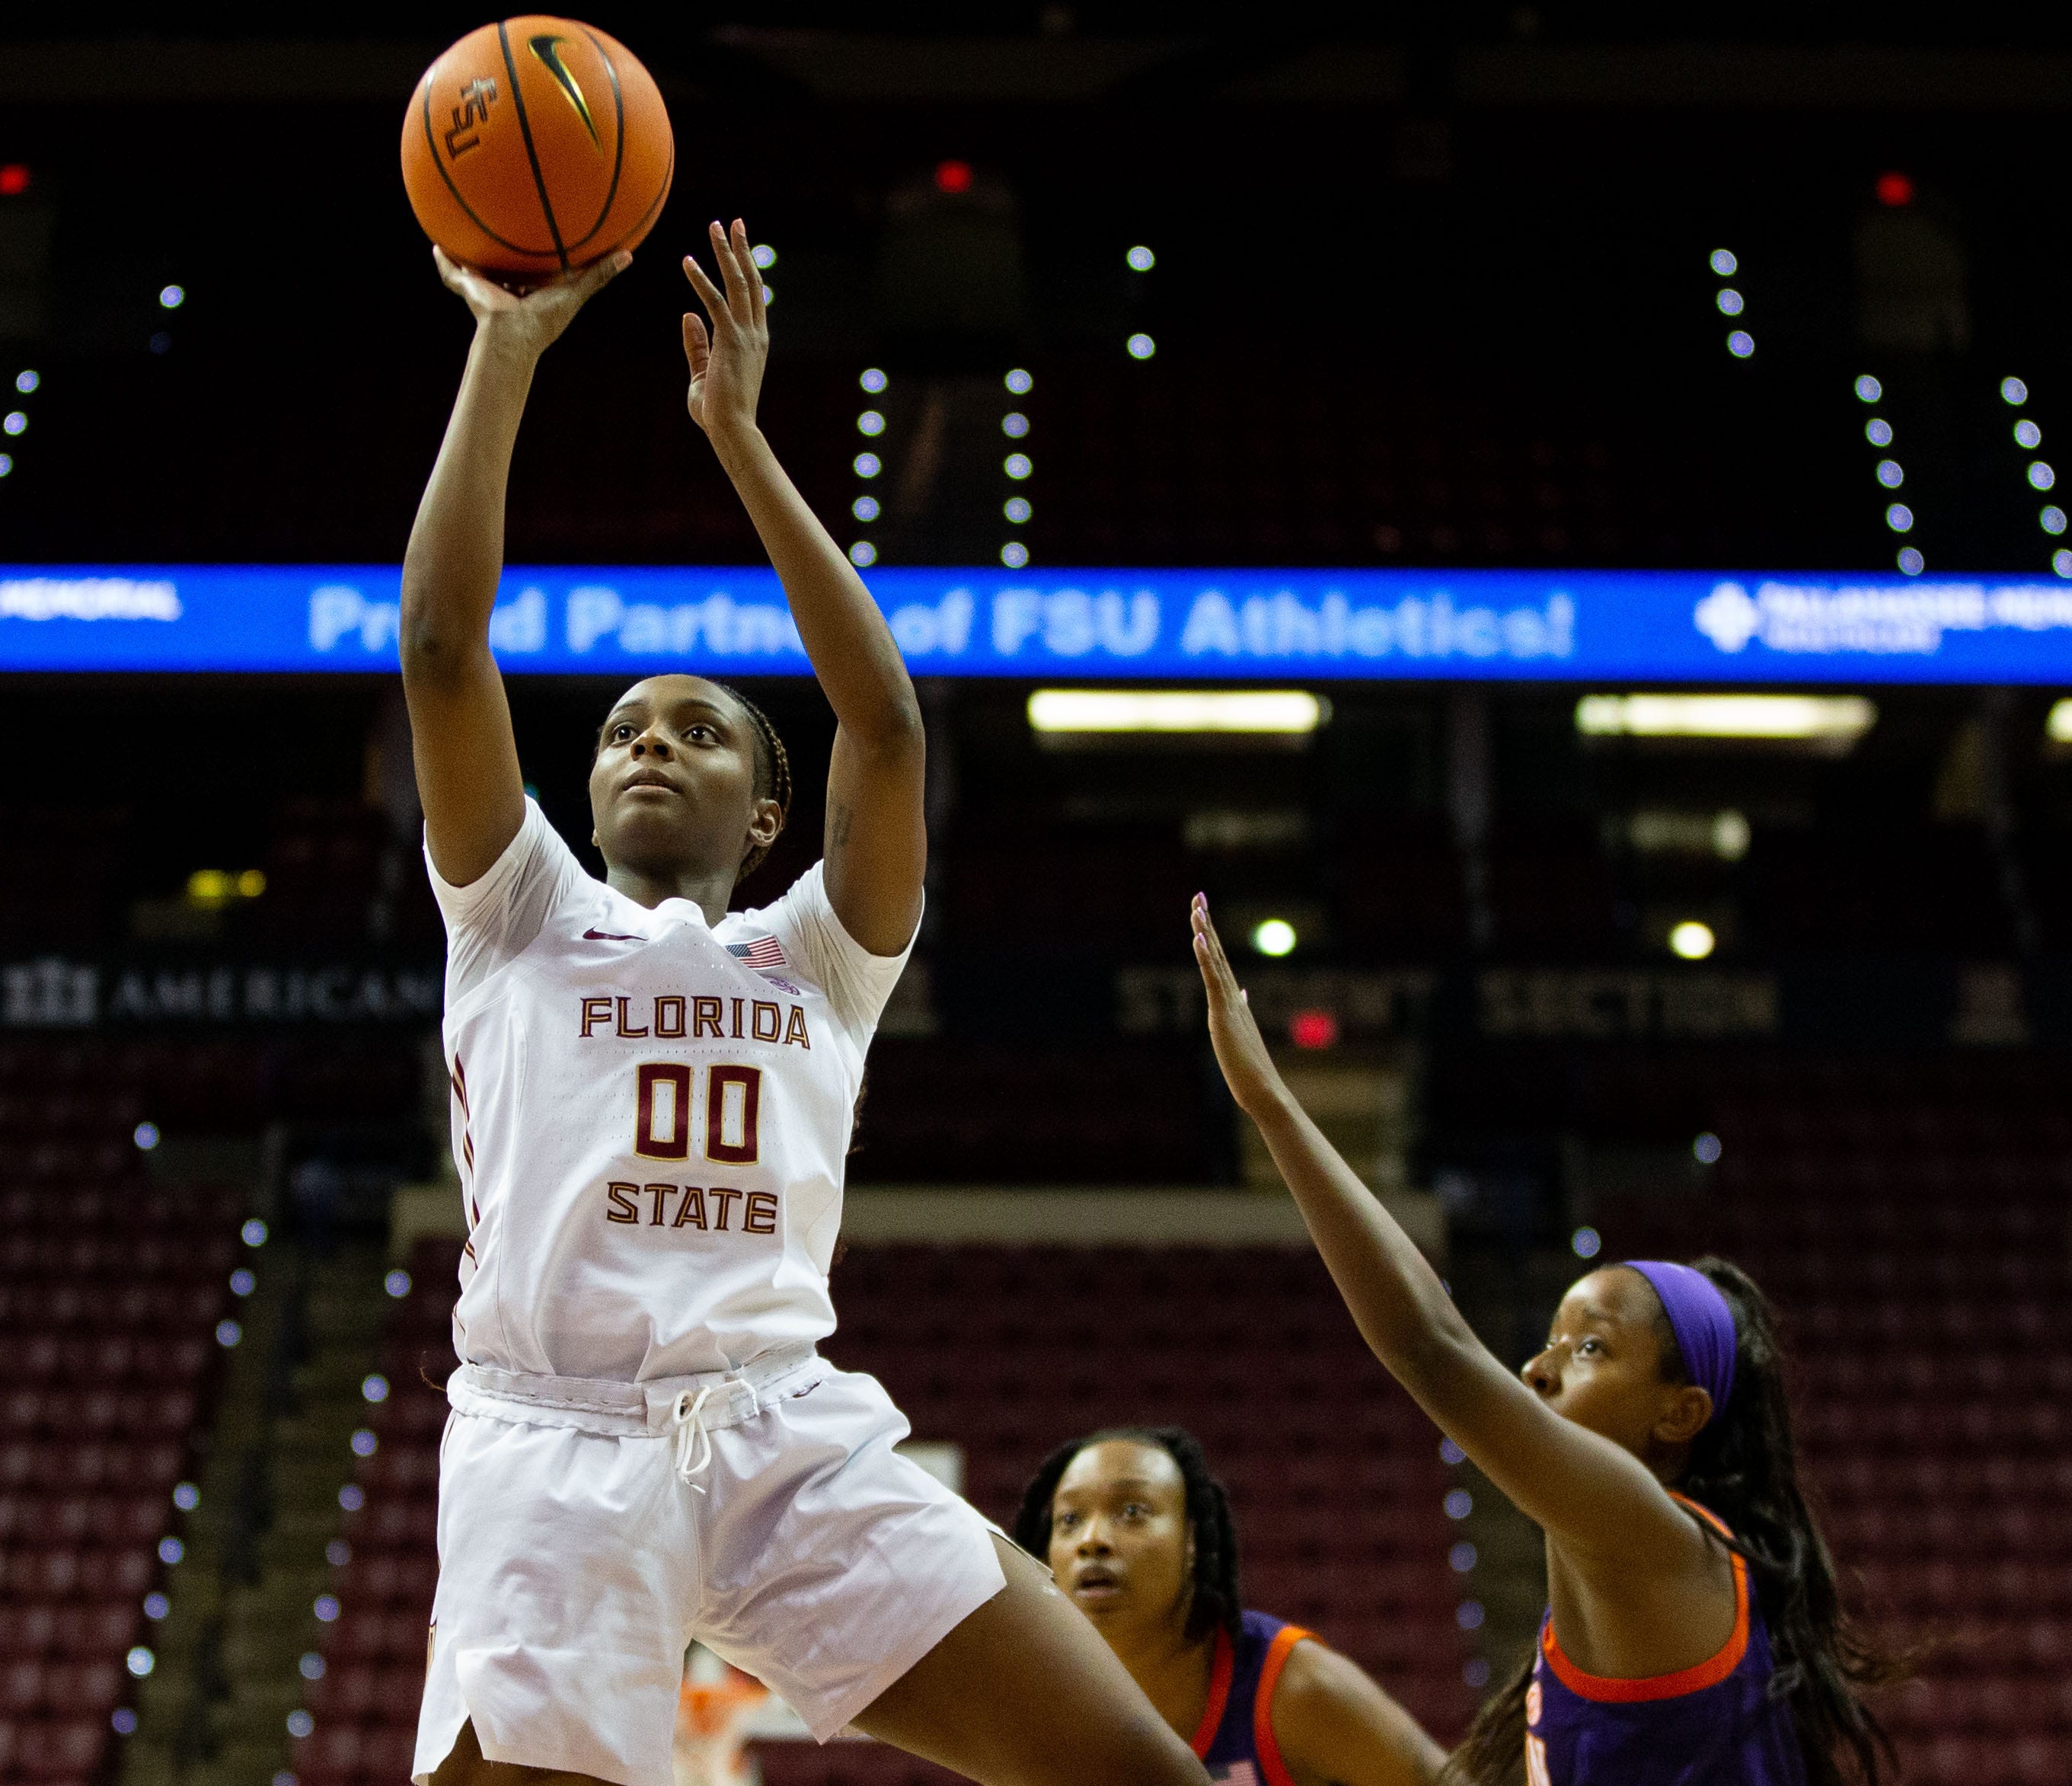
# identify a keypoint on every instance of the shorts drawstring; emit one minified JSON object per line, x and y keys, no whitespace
{"x":686,"y":1410}
{"x":687,"y":1419}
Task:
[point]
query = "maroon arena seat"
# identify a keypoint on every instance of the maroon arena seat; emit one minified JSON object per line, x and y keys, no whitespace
{"x":59,"y":1748}
{"x":110,"y":1288}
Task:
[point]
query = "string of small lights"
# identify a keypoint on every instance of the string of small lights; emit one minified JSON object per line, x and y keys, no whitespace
{"x":1140,"y":260}
{"x":867,"y":465}
{"x":1730,"y":302}
{"x":1889,"y":473}
{"x":1017,"y":509}
{"x":16,"y":422}
{"x":1019,"y":466}
{"x":2038,"y":474}
{"x":170,"y":297}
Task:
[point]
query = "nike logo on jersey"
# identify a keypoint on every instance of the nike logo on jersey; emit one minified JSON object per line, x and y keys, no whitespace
{"x":610,"y":936}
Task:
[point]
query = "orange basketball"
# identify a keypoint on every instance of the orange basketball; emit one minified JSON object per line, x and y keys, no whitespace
{"x":537,"y":145}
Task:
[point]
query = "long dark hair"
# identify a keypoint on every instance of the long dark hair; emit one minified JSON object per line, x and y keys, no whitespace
{"x":1743,"y":1467}
{"x":1213,"y":1604}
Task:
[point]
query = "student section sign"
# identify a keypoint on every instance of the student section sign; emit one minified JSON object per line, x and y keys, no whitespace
{"x":1665,"y":627}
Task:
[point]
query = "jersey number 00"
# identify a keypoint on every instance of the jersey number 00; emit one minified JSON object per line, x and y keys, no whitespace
{"x":734,"y":1105}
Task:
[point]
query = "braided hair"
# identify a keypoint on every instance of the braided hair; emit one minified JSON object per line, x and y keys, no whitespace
{"x":1214,"y":1602}
{"x":1743,"y":1467}
{"x":773,"y":774}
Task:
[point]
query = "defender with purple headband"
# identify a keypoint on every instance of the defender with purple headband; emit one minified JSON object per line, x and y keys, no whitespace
{"x":1693,"y":1635}
{"x":1702,"y":1322}
{"x":1717,"y":1720}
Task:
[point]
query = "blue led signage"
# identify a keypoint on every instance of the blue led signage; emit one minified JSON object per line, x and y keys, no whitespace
{"x":1664,"y":626}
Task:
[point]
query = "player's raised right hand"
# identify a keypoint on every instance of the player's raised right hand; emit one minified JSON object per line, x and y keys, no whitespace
{"x":727,"y":356}
{"x":1241,"y":1051}
{"x":530,"y":323}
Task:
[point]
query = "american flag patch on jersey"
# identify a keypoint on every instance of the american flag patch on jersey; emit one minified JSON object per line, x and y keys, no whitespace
{"x":762,"y":954}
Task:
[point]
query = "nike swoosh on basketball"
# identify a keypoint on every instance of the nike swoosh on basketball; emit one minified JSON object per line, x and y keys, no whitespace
{"x":547,"y":48}
{"x":610,"y":936}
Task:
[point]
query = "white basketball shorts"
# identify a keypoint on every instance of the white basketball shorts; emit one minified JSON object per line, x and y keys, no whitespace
{"x":589,"y":1531}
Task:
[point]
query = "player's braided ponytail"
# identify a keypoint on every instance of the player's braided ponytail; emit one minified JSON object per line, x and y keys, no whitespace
{"x":1214,"y":1604}
{"x":773,"y":774}
{"x":1744,"y":1467}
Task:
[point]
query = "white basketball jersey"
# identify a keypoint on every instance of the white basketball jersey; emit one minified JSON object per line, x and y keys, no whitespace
{"x":650,"y":1117}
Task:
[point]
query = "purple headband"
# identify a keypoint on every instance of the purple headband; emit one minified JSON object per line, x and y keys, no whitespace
{"x":1702,"y":1322}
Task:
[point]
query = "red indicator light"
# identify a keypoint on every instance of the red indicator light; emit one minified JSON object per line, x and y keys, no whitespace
{"x":13,"y":179}
{"x":953,"y":176}
{"x":1894,"y":190}
{"x":1313,"y":1029}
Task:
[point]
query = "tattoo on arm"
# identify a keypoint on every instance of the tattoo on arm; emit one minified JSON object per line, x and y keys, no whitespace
{"x":840,"y":829}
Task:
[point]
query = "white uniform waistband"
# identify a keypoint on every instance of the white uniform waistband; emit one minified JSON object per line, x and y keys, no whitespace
{"x":652,"y":1410}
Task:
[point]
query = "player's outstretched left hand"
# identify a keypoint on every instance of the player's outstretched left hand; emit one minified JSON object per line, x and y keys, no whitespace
{"x":1248,"y":1069}
{"x":727,"y":358}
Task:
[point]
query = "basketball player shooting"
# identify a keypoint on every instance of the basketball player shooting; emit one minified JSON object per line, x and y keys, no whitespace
{"x":652,"y":1101}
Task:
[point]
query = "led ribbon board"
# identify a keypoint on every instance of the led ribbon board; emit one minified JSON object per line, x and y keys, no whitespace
{"x":1661,"y":627}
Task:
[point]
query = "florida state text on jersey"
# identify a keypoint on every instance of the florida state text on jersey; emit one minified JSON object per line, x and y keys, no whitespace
{"x":650,"y":1117}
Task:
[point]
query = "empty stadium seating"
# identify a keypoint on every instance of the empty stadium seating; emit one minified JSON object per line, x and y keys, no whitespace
{"x":1834,"y":888}
{"x":110,"y":1290}
{"x":1334,"y":1476}
{"x":210,"y":1084}
{"x":96,"y":880}
{"x":1101,"y":1113}
{"x":322,"y":869}
{"x":1169,"y":463}
{"x":1909,"y":1220}
{"x":364,"y":1705}
{"x":1167,"y":466}
{"x":1398,"y":889}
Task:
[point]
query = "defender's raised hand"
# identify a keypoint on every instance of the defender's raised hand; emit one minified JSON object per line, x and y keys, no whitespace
{"x":534,"y":321}
{"x":727,"y":358}
{"x":1248,"y":1069}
